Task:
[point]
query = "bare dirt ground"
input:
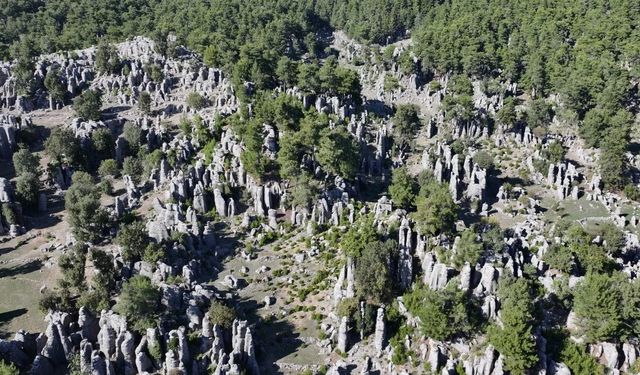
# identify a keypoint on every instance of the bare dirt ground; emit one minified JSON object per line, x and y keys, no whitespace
{"x":52,"y":119}
{"x":287,"y":328}
{"x":25,"y":268}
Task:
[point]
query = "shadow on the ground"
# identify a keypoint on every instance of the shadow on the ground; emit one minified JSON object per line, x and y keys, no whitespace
{"x":7,"y":316}
{"x":43,"y":221}
{"x":111,"y":112}
{"x":275,"y":338}
{"x":378,"y":107}
{"x":25,"y":268}
{"x":6,"y":250}
{"x":514,"y":181}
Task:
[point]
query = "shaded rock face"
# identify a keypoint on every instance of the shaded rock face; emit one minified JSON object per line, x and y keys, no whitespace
{"x":380,"y":331}
{"x":117,"y":350}
{"x":461,"y":177}
{"x":8,"y":127}
{"x":6,"y":192}
{"x":53,"y":348}
{"x":342,"y":335}
{"x":41,"y":366}
{"x":12,"y":352}
{"x":436,"y":274}
{"x":405,"y":262}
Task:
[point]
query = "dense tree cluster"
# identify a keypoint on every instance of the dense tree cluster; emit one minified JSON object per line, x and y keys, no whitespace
{"x":82,"y":201}
{"x":26,"y":166}
{"x":546,"y":47}
{"x":139,"y":302}
{"x":303,"y":132}
{"x":444,"y":314}
{"x":515,"y":338}
{"x":376,"y":21}
{"x":564,"y":47}
{"x":221,"y":28}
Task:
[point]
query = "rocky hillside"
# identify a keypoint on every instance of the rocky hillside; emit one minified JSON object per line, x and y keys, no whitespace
{"x":348,"y":209}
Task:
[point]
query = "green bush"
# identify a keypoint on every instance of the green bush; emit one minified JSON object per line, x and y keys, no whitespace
{"x":132,"y":167}
{"x":405,"y":124}
{"x":144,"y":102}
{"x":82,"y":202}
{"x":133,"y":239}
{"x":109,"y":168}
{"x":88,"y":105}
{"x":24,"y":161}
{"x":483,"y":159}
{"x":28,"y":189}
{"x":139,"y":302}
{"x":390,"y":83}
{"x":196,"y":101}
{"x":403,"y":188}
{"x":63,"y":147}
{"x":444,"y":314}
{"x":8,"y":368}
{"x":515,"y":339}
{"x":221,"y":314}
{"x":133,"y":135}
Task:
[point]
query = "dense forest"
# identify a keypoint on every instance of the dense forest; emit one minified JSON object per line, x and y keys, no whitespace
{"x":567,"y":47}
{"x":62,"y":24}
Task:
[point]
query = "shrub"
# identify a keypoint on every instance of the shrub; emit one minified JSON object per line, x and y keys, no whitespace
{"x":444,"y":313}
{"x":390,"y":83}
{"x":403,"y":188}
{"x":82,"y":202}
{"x":133,"y":135}
{"x":8,"y":368}
{"x":483,"y":159}
{"x":28,"y":189}
{"x":144,"y":102}
{"x":196,"y":101}
{"x":103,"y":143}
{"x":109,"y":168}
{"x":63,"y":147}
{"x":133,"y":239}
{"x":515,"y":339}
{"x":468,"y":249}
{"x":139,"y":302}
{"x":221,"y":314}
{"x":132,"y":166}
{"x":24,"y":161}
{"x":88,"y":105}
